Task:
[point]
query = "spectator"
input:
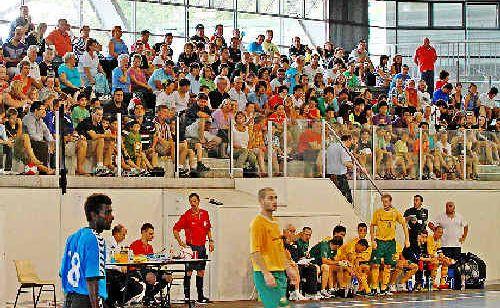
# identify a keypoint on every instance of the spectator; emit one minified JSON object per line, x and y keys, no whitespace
{"x":80,"y":43}
{"x":200,"y":37}
{"x":34,"y":68}
{"x":24,"y":21}
{"x":360,"y":53}
{"x":14,"y":50}
{"x":69,"y":75}
{"x":268,"y":45}
{"x":297,"y":49}
{"x":259,"y":96}
{"x":235,"y":50}
{"x":116,"y":45}
{"x":120,"y":79}
{"x":256,"y":46}
{"x":160,"y":75}
{"x":188,"y":56}
{"x":60,"y":39}
{"x":219,"y":34}
{"x":425,"y":57}
{"x":237,"y":94}
{"x":117,"y":105}
{"x":143,"y":42}
{"x":164,"y":48}
{"x":181,"y":96}
{"x":404,"y":75}
{"x":338,"y":160}
{"x":443,"y":93}
{"x":444,"y":78}
{"x":219,"y":94}
{"x":36,"y":37}
{"x":27,"y":82}
{"x":88,"y":64}
{"x":194,"y":78}
{"x":490,"y":103}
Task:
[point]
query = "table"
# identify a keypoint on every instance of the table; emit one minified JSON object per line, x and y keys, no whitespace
{"x":157,"y":265}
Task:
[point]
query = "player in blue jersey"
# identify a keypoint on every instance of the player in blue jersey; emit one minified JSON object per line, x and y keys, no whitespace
{"x":83,"y":274}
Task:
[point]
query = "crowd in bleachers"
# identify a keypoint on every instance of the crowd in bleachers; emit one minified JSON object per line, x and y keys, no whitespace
{"x":219,"y":90}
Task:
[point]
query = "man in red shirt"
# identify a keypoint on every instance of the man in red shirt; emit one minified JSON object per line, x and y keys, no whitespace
{"x":60,"y":38}
{"x":196,"y":225}
{"x":142,"y":247}
{"x":425,"y":57}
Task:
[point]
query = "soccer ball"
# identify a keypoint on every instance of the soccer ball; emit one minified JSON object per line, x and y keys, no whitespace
{"x":30,"y":169}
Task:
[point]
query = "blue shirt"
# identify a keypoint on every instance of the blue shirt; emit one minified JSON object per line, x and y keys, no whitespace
{"x":119,"y":48}
{"x":84,"y":257}
{"x":290,"y":78}
{"x":195,"y":84}
{"x":259,"y":100}
{"x":255,"y":47}
{"x":72,"y":75}
{"x":116,"y":74}
{"x":397,"y":76}
{"x":158,"y":74}
{"x":439,"y":94}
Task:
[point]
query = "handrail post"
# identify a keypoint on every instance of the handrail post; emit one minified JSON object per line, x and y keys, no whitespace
{"x":269,"y":149}
{"x":374,"y":151}
{"x":231,"y":148}
{"x":420,"y":155}
{"x":119,"y":144}
{"x":464,"y":175}
{"x":57,"y":141}
{"x":323,"y":148}
{"x":285,"y":148}
{"x":177,"y":144}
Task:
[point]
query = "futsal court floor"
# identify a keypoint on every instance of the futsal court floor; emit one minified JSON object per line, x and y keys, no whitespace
{"x":445,"y":299}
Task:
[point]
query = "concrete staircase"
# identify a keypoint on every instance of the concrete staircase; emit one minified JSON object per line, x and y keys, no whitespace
{"x":489,"y":172}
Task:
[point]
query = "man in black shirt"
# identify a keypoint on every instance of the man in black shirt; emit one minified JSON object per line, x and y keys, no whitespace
{"x":219,"y":94}
{"x":225,"y":58}
{"x":234,"y":50}
{"x":297,"y":49}
{"x":166,"y":41}
{"x":358,"y":112}
{"x":99,"y":142}
{"x":200,"y":35}
{"x":416,"y":217}
{"x":117,"y":105}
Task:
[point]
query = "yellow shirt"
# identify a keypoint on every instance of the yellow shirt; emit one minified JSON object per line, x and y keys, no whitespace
{"x":433,"y":245}
{"x":399,"y":250}
{"x":386,"y":223}
{"x":342,"y":253}
{"x":265,"y":237}
{"x":364,"y":256}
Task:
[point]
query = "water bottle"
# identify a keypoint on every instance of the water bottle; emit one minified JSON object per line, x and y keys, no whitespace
{"x":452,"y":283}
{"x":462,"y":279}
{"x":130,"y":255}
{"x":355,"y":284}
{"x":429,"y":283}
{"x":409,"y":285}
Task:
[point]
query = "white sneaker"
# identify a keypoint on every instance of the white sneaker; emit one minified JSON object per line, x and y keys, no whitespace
{"x":432,"y":176}
{"x":315,"y":297}
{"x":392,"y":288}
{"x":325,"y":294}
{"x":400,"y":287}
{"x":301,"y":297}
{"x":294,"y":296}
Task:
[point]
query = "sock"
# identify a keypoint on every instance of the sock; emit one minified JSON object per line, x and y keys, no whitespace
{"x":187,"y":286}
{"x":199,"y":286}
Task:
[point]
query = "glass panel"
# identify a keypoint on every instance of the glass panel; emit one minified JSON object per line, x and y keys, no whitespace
{"x":252,"y":25}
{"x":250,"y":5}
{"x":412,"y":14}
{"x":49,"y":11}
{"x":199,"y":2}
{"x":315,"y":9}
{"x":210,"y":19}
{"x":304,"y":141}
{"x":268,"y":6}
{"x":447,"y":14}
{"x":293,"y":8}
{"x":173,"y":1}
{"x":363,"y":148}
{"x":9,"y":11}
{"x":483,"y":16}
{"x":448,"y":153}
{"x":310,"y":32}
{"x":382,"y":13}
{"x":223,"y":4}
{"x":160,"y":19}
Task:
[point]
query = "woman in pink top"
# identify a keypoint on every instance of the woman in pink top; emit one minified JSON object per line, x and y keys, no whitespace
{"x":137,"y":76}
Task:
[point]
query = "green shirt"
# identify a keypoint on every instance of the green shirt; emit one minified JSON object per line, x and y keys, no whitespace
{"x":303,"y":247}
{"x":130,"y":141}
{"x":322,"y":250}
{"x":352,"y":80}
{"x":78,"y":115}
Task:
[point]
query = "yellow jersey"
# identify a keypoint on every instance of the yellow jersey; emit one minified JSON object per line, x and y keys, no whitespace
{"x":386,"y":223}
{"x":432,"y":245}
{"x":265,"y":238}
{"x":364,"y":256}
{"x":342,"y":253}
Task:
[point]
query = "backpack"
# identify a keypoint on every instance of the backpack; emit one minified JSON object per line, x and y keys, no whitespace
{"x":474,"y":270}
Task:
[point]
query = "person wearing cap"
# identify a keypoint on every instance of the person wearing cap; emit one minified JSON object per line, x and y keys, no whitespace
{"x":404,"y":75}
{"x":219,"y":33}
{"x":200,"y":35}
{"x":167,"y":41}
{"x":144,"y":40}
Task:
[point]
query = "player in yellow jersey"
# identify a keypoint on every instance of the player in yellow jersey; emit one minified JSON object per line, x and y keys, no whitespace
{"x":269,"y":261}
{"x":438,"y":258}
{"x":383,"y":236}
{"x":362,"y":268}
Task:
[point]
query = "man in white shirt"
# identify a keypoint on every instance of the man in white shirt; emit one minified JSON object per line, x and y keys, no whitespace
{"x":237,"y":94}
{"x":314,"y":68}
{"x":455,"y":230}
{"x":490,"y":102}
{"x":181,"y":96}
{"x":116,"y":275}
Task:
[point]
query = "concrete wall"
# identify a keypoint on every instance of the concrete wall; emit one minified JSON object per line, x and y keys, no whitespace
{"x":37,"y":221}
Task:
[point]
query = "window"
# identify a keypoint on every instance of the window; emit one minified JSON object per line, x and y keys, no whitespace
{"x":49,"y":11}
{"x":252,"y":25}
{"x":292,"y":8}
{"x":413,"y":14}
{"x":269,"y":6}
{"x":315,"y":9}
{"x":382,"y":13}
{"x":482,"y":16}
{"x":447,"y":14}
{"x":249,"y":5}
{"x":223,"y":4}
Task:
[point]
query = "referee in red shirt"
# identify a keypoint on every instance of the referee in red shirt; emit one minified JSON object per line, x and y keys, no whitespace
{"x":196,"y":225}
{"x":425,"y":57}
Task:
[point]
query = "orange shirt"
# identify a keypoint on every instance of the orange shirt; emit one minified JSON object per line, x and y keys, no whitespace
{"x":62,"y":42}
{"x":26,"y":86}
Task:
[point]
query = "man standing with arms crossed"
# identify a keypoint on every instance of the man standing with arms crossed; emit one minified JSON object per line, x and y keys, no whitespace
{"x":196,"y":225}
{"x":268,"y":253}
{"x":384,"y":242}
{"x":82,"y":273}
{"x":425,"y":57}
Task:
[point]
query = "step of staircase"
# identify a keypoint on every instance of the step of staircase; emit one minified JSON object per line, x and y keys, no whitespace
{"x":489,"y":172}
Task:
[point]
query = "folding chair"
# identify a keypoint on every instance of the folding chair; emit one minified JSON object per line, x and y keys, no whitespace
{"x":27,"y":277}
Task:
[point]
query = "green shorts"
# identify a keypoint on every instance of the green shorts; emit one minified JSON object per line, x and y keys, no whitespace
{"x":385,"y":251}
{"x":271,"y":297}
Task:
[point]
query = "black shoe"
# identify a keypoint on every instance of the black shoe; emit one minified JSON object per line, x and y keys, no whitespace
{"x":372,"y":293}
{"x":203,"y":300}
{"x":200,"y":167}
{"x":341,"y":293}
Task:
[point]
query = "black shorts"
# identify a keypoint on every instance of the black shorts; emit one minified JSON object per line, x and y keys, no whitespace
{"x":74,"y":300}
{"x":202,"y":254}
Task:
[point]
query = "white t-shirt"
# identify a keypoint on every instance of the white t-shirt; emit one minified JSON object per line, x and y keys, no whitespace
{"x":311,"y":72}
{"x":179,"y":102}
{"x":453,"y":229}
{"x":240,"y":97}
{"x":87,"y":61}
{"x":162,"y":98}
{"x":241,"y":139}
{"x":489,"y":102}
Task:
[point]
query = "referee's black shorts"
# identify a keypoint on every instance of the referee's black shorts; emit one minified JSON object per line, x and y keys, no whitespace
{"x":202,"y":254}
